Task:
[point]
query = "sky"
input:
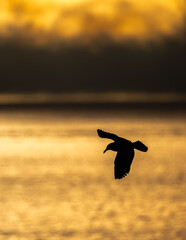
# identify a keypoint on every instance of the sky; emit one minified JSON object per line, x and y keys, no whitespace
{"x":86,"y":45}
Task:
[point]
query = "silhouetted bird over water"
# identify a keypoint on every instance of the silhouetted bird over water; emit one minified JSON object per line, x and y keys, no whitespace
{"x":125,"y":152}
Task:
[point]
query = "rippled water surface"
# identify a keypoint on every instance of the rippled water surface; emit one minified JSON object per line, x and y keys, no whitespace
{"x":56,"y":183}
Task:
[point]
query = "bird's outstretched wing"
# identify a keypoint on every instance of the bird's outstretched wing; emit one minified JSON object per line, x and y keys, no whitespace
{"x":122,"y":164}
{"x":103,"y":134}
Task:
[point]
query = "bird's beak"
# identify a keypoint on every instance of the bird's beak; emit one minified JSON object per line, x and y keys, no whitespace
{"x":105,"y":150}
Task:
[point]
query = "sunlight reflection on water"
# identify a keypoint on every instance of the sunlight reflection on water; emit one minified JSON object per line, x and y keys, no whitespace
{"x":56,"y":184}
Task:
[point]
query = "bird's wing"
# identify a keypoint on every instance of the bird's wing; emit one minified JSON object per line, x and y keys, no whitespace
{"x":122,"y":164}
{"x":103,"y":134}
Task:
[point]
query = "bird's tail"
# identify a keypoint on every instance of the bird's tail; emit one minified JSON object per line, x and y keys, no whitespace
{"x":140,"y":146}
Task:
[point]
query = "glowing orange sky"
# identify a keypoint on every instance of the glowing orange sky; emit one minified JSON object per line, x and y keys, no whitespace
{"x":47,"y":21}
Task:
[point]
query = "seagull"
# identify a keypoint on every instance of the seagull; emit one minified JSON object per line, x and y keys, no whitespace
{"x":125,"y":152}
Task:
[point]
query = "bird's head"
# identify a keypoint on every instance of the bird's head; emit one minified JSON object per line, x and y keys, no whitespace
{"x":111,"y":146}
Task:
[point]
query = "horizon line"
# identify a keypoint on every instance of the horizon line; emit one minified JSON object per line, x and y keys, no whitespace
{"x":90,"y":98}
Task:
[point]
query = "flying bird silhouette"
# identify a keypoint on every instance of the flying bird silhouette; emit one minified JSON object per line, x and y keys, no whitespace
{"x":125,"y":152}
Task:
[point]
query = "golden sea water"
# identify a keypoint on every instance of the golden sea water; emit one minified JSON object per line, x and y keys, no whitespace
{"x":56,"y":183}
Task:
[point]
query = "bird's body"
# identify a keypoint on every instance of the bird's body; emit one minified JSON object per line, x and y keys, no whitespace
{"x":125,"y":152}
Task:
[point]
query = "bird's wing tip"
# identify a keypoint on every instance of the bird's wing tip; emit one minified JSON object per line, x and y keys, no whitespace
{"x":101,"y":133}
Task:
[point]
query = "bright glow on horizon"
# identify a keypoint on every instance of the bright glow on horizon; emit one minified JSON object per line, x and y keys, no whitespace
{"x":43,"y":22}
